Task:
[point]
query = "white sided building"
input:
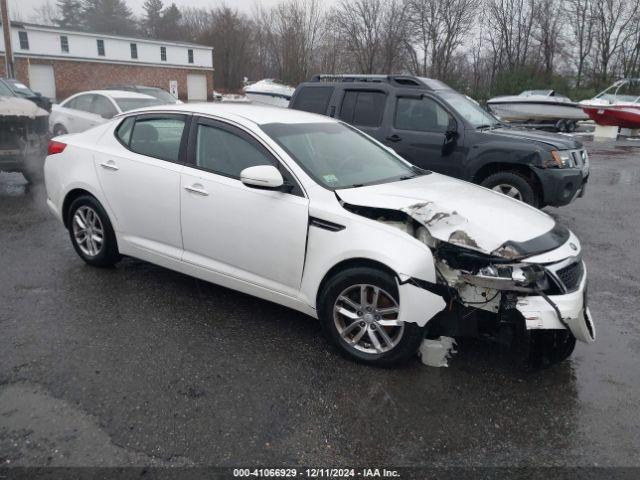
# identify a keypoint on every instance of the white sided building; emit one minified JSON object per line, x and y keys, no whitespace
{"x":59,"y":62}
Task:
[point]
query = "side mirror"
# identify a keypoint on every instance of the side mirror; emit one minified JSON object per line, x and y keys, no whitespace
{"x":262,"y":176}
{"x":452,"y":127}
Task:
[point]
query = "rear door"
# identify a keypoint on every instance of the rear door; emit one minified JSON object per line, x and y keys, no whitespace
{"x":254,"y":235}
{"x":77,"y":114}
{"x":418,"y":131}
{"x":364,"y":108}
{"x":139,"y":173}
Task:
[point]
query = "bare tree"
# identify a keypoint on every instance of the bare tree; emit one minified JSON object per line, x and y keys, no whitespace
{"x":547,"y":32}
{"x":439,"y":27}
{"x":510,"y":26}
{"x":45,"y":14}
{"x":612,"y":21}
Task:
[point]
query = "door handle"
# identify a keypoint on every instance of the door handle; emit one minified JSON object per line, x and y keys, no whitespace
{"x":109,"y":165}
{"x":393,"y":138}
{"x":196,"y":188}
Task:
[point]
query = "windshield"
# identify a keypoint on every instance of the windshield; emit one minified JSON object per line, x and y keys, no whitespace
{"x":5,"y":91}
{"x":21,"y":89}
{"x":470,"y":110}
{"x":127,"y":104}
{"x":338,"y":156}
{"x":160,"y":94}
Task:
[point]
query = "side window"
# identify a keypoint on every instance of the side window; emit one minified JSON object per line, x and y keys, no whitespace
{"x":363,"y":108}
{"x":158,"y":137}
{"x":420,"y":114}
{"x":82,"y":102}
{"x":102,"y":106}
{"x":226,"y":153}
{"x":123,"y":132}
{"x":313,"y":99}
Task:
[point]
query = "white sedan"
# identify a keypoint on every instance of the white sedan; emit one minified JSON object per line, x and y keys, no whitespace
{"x":310,"y":213}
{"x":85,"y":110}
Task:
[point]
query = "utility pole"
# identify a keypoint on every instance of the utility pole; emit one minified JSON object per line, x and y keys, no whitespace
{"x":8,"y":49}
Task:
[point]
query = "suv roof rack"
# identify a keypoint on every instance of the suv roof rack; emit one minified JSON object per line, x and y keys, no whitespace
{"x":399,"y":80}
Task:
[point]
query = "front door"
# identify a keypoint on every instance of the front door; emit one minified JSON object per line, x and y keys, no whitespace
{"x":140,"y":178}
{"x":250,"y":234}
{"x":421,"y":131}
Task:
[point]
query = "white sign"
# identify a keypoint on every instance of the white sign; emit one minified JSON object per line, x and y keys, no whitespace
{"x":173,"y":88}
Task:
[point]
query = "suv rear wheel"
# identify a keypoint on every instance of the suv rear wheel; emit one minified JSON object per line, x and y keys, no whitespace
{"x":512,"y":184}
{"x":358,"y":310}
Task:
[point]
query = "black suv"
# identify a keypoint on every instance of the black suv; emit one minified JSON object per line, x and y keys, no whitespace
{"x":439,"y":129}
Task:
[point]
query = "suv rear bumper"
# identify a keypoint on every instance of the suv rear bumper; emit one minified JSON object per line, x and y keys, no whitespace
{"x":561,"y":186}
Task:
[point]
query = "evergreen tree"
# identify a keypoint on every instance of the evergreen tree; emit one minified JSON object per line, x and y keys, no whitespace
{"x":108,"y":16}
{"x":152,"y":17}
{"x":70,"y":13}
{"x":170,"y":27}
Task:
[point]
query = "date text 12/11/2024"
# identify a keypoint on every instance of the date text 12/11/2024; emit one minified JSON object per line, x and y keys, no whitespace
{"x":315,"y":473}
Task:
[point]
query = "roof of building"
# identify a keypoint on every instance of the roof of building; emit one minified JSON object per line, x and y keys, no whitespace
{"x":243,"y":112}
{"x":84,"y":31}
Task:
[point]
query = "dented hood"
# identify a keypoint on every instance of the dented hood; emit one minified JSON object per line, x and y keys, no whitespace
{"x":464,"y":214}
{"x":20,"y":107}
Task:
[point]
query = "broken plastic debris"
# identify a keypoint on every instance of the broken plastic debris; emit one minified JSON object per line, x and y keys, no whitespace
{"x":435,"y":353}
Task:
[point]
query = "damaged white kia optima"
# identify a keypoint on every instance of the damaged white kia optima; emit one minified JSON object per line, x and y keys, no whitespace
{"x":310,"y":213}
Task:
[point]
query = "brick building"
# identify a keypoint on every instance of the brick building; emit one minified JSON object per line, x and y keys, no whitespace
{"x":59,"y":62}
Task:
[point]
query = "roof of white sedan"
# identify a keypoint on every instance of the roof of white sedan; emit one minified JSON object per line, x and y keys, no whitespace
{"x":117,"y":93}
{"x":259,"y":114}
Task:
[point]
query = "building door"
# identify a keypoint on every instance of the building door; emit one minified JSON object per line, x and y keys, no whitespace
{"x":42,"y":79}
{"x":196,"y":87}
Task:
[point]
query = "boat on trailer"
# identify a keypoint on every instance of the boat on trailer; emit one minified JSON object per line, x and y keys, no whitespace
{"x":617,"y":106}
{"x":269,"y":92}
{"x":538,"y":108}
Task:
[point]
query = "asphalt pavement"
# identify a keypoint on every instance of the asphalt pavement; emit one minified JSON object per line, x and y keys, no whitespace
{"x":139,"y":365}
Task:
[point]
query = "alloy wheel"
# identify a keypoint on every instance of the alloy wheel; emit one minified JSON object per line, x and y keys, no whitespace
{"x":508,"y":190}
{"x":366,"y":317}
{"x":88,"y":231}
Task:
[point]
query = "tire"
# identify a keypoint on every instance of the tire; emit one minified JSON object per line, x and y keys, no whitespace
{"x":539,"y":349}
{"x":59,"y":129}
{"x":504,"y":181}
{"x":103,"y":253}
{"x":403,"y":339}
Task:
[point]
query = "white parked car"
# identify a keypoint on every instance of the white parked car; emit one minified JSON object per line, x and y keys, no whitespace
{"x":85,"y":110}
{"x":308,"y":212}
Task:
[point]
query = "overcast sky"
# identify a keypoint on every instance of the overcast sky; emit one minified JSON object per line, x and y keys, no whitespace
{"x":24,"y":8}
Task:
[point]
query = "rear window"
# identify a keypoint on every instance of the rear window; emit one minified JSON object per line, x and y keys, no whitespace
{"x":313,"y":99}
{"x":363,"y":108}
{"x":124,"y":130}
{"x":127,"y":104}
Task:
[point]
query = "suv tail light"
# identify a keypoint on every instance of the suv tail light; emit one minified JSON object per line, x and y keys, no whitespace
{"x":55,"y":147}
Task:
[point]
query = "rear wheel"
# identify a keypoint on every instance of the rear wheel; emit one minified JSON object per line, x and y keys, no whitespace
{"x":359,"y":311}
{"x":91,"y":232}
{"x":513,"y":184}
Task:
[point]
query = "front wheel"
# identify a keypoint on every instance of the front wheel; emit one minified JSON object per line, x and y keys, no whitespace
{"x":359,"y":311}
{"x":91,"y":232}
{"x":512,"y":184}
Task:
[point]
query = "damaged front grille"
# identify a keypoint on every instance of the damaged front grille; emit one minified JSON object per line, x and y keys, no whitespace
{"x":567,"y":275}
{"x":571,"y":275}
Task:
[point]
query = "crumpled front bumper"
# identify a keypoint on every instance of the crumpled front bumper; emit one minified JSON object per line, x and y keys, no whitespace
{"x":539,"y":313}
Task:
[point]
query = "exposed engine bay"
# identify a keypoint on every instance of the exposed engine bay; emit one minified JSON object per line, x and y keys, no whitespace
{"x":489,"y":294}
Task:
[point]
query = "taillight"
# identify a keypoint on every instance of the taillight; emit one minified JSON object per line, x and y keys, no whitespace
{"x":55,"y":147}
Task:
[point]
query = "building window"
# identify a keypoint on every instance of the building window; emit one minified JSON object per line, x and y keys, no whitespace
{"x":100,"y":43}
{"x":163,"y":54}
{"x":190,"y":55}
{"x":134,"y":50}
{"x":24,"y":40}
{"x":64,"y":44}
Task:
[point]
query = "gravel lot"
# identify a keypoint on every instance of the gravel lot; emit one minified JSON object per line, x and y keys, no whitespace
{"x":143,"y":366}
